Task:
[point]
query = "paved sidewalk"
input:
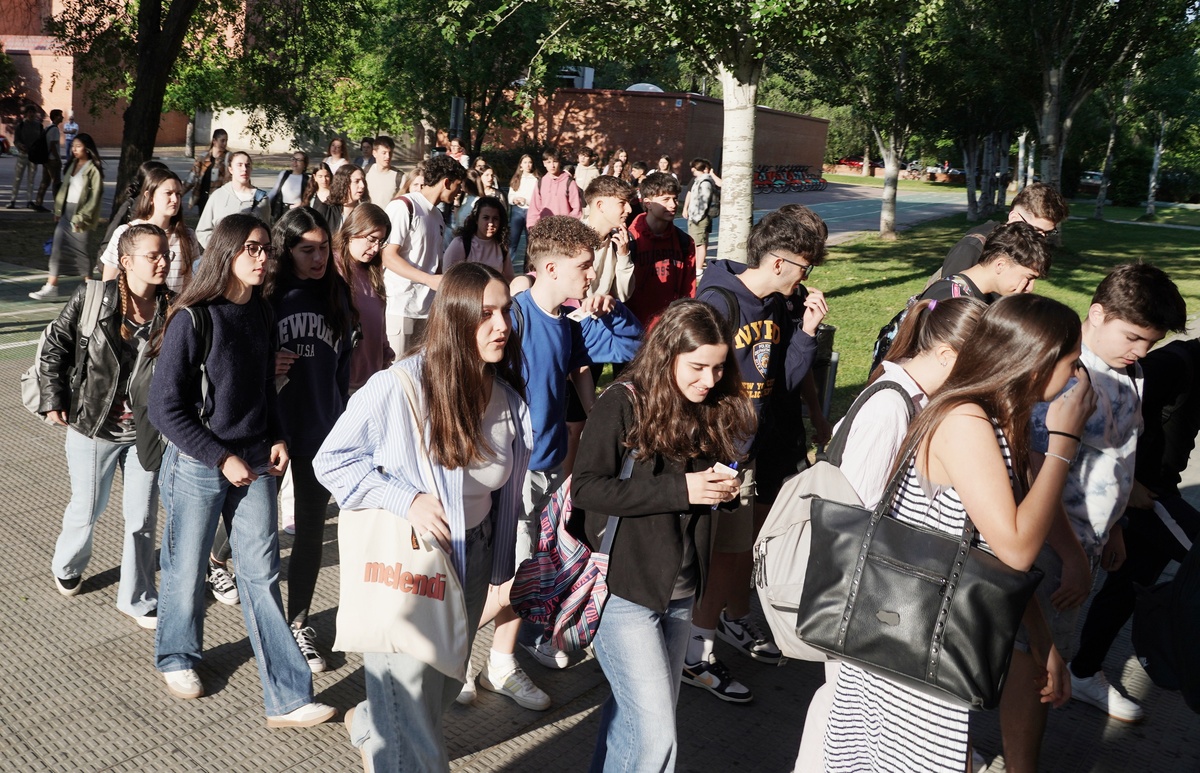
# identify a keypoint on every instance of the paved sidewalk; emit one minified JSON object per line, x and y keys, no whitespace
{"x":79,"y":692}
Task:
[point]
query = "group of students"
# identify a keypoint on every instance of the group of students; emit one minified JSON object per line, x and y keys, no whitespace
{"x":272,"y":353}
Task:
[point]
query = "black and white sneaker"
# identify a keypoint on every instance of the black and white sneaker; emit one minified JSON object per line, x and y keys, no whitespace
{"x":306,"y":640}
{"x":220,"y":582}
{"x":745,"y":634}
{"x":70,"y":586}
{"x":714,"y":676}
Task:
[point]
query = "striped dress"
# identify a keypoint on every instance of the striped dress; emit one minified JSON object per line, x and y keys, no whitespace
{"x":877,"y":725}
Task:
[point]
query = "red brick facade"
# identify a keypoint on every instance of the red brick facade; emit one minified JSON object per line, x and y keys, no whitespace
{"x":649,"y":124}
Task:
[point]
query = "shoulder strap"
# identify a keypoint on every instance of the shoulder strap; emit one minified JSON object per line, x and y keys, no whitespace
{"x":412,"y":210}
{"x":961,"y":284}
{"x":202,"y":322}
{"x":92,"y":297}
{"x":467,"y":246}
{"x":837,"y":444}
{"x":734,"y":308}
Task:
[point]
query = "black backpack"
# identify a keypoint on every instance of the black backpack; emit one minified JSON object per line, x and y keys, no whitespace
{"x":149,"y":441}
{"x":39,"y":152}
{"x":1166,"y":625}
{"x":887,"y":333}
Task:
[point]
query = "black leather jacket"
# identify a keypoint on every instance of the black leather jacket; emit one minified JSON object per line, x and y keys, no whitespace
{"x":87,"y":396}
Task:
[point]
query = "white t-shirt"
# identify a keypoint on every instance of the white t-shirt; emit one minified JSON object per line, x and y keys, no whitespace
{"x":382,"y":185}
{"x":334,"y":164}
{"x":524,"y":191}
{"x":419,"y":237}
{"x":482,"y":478}
{"x":174,"y":271}
{"x":292,"y":188}
{"x":877,"y":435}
{"x":76,"y":186}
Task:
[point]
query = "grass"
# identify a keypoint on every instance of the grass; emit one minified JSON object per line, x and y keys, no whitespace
{"x":868,"y":280}
{"x":904,"y":185}
{"x":1164,"y":214}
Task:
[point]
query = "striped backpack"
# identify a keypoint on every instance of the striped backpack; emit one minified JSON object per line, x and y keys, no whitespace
{"x":564,"y":585}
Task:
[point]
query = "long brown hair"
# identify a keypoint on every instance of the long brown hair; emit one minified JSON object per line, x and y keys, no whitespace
{"x":452,"y":377}
{"x":339,"y":186}
{"x":364,"y":219}
{"x":286,"y":234}
{"x":930,"y":323}
{"x":143,"y":208}
{"x":211,"y":281}
{"x":1004,"y":368}
{"x":667,"y":424}
{"x":515,"y":182}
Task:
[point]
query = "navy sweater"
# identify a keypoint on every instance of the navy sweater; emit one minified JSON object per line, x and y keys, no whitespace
{"x":241,"y":371}
{"x":318,"y":383}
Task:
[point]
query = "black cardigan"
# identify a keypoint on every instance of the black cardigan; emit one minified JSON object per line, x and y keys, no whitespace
{"x":653,"y":507}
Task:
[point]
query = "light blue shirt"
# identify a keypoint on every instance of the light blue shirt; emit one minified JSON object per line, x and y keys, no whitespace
{"x":371,"y":459}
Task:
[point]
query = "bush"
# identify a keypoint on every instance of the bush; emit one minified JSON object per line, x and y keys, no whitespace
{"x":1130,"y":178}
{"x":1179,"y":185}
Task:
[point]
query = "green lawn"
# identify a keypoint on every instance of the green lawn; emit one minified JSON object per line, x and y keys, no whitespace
{"x":868,"y":280}
{"x":904,"y":185}
{"x":1170,"y":215}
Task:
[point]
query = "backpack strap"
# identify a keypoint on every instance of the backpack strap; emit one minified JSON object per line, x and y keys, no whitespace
{"x":92,"y":298}
{"x":202,"y":322}
{"x":733,"y":307}
{"x":837,"y":444}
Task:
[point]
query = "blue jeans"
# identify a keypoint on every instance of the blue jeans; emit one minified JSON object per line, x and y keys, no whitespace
{"x":194,"y":496}
{"x":641,"y":653}
{"x":516,"y":227}
{"x":92,"y":464}
{"x":399,"y":725}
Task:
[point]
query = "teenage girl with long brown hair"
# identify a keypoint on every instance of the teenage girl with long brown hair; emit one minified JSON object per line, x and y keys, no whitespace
{"x":678,"y":409}
{"x":968,"y":452}
{"x":467,"y":378}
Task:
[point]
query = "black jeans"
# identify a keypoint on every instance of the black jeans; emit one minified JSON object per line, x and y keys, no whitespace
{"x":1149,"y":547}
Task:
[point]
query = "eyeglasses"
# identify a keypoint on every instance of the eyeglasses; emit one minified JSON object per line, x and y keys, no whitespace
{"x":1042,"y":233}
{"x":155,"y":257}
{"x":371,"y":240}
{"x":805,"y":268}
{"x":254,"y":249}
{"x":301,"y":159}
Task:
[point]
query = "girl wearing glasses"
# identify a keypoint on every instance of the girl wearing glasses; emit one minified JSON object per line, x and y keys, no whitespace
{"x":160,"y":202}
{"x":225,"y":449}
{"x":93,"y":405}
{"x":358,"y":253}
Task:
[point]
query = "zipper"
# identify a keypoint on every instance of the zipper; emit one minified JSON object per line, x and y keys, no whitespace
{"x":912,"y":571}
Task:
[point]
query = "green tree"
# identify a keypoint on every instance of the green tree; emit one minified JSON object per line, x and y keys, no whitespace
{"x":10,"y":80}
{"x":1167,"y":96}
{"x":730,"y":39}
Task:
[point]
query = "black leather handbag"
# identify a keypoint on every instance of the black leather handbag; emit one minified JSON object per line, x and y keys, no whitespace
{"x":918,"y":606}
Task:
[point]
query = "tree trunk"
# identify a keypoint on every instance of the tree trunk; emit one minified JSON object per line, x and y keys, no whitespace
{"x":890,"y":151}
{"x":866,"y":167}
{"x":1050,"y":127}
{"x":1002,"y":159}
{"x":740,"y":90}
{"x":970,"y":150}
{"x":1032,"y":163}
{"x":189,"y":137}
{"x":1106,"y":170}
{"x":158,"y":47}
{"x":1158,"y":150}
{"x":987,"y":176}
{"x":1022,"y":180}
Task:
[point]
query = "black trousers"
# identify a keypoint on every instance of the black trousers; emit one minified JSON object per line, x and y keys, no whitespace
{"x":1149,"y":546}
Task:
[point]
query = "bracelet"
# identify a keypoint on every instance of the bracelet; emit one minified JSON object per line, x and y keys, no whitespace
{"x":1076,"y":438}
{"x":1058,"y":456}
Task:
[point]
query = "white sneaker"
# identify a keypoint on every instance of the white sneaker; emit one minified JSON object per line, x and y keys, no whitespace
{"x":184,"y":684}
{"x":548,"y":655}
{"x":306,"y":716}
{"x":148,"y":621}
{"x":220,"y":582}
{"x":1096,"y":691}
{"x":517,"y":685}
{"x":468,"y":693}
{"x":47,"y":292}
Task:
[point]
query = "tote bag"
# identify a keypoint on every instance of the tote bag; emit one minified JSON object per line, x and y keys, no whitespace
{"x":398,"y":592}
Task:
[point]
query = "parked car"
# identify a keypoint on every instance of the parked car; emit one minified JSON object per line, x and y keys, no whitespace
{"x":1091,"y":178}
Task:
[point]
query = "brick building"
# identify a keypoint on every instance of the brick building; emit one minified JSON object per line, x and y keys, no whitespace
{"x":50,"y":79}
{"x":649,"y":124}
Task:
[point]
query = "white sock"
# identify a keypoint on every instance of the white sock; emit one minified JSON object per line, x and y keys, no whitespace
{"x":700,"y":644}
{"x":500,"y":663}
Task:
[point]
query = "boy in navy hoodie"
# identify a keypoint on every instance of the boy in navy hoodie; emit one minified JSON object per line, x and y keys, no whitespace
{"x":774,"y":344}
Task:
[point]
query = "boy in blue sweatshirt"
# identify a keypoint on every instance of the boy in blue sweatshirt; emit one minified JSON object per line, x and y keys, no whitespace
{"x":561,"y":253}
{"x":774,"y":343}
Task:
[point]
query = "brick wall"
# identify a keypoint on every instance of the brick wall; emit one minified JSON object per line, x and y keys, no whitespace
{"x":650,"y":124}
